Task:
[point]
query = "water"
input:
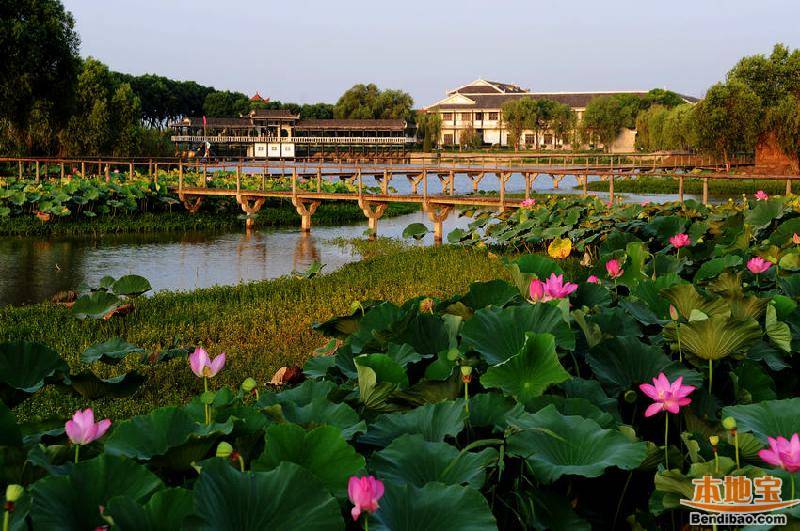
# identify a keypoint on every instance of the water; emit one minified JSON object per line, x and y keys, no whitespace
{"x":34,"y":269}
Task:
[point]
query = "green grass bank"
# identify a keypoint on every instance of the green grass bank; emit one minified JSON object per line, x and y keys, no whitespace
{"x":262,"y":325}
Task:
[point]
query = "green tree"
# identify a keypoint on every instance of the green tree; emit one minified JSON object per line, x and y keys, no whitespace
{"x":38,"y":70}
{"x":784,"y":121}
{"x":606,"y":116}
{"x":771,"y":78}
{"x":126,"y":126}
{"x":368,"y":101}
{"x":469,"y":138}
{"x":650,"y":128}
{"x":226,"y":103}
{"x":679,"y":128}
{"x":321,"y":111}
{"x":429,"y":128}
{"x":728,"y":119}
{"x":563,"y":122}
{"x":89,"y":129}
{"x":516,"y":114}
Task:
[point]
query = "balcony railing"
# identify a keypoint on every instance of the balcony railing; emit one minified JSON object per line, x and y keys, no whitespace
{"x":295,"y":139}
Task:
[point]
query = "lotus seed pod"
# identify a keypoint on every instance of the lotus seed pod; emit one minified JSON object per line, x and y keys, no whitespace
{"x":714,"y":440}
{"x":729,"y":423}
{"x":466,"y":370}
{"x":14,"y":492}
{"x":224,"y":450}
{"x":248,"y":385}
{"x":630,"y":396}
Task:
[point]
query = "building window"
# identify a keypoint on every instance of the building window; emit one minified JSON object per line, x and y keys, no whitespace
{"x":548,"y":139}
{"x":466,"y":116}
{"x":448,"y":139}
{"x":447,"y":116}
{"x":478,"y":116}
{"x":530,"y":139}
{"x":492,"y":116}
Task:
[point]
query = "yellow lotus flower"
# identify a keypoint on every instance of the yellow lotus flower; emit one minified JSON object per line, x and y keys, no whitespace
{"x":559,"y":248}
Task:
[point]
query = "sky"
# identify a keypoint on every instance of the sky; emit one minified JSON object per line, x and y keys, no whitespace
{"x":307,"y":51}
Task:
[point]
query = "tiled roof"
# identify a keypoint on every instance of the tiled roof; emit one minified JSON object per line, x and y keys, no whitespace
{"x":573,"y":99}
{"x":374,"y":124}
{"x":214,"y":121}
{"x":273,"y":113}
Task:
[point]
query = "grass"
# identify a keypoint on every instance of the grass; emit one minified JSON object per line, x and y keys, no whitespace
{"x":277,"y":213}
{"x":719,"y":188}
{"x":261,"y":326}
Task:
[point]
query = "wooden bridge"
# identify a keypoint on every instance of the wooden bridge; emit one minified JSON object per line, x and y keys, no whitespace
{"x":431,"y":186}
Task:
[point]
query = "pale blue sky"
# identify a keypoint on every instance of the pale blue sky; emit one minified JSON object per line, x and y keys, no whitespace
{"x":307,"y":51}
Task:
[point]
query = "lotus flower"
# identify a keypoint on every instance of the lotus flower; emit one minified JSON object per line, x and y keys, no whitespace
{"x":758,"y":265}
{"x":645,"y":203}
{"x":593,"y":279}
{"x":82,"y":429}
{"x":796,"y":238}
{"x":555,"y":287}
{"x":783,"y":453}
{"x":527,"y":203}
{"x":614,"y":269}
{"x":761,"y":195}
{"x":680,"y":240}
{"x":204,"y":367}
{"x":537,"y":291}
{"x":668,"y":396}
{"x":364,"y":492}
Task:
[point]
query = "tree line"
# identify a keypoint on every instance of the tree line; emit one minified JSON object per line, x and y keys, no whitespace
{"x":53,"y":102}
{"x":759,"y":101}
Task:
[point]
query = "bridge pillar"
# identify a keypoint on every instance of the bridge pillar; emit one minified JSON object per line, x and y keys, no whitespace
{"x":306,"y":209}
{"x":556,"y":180}
{"x":415,"y":180}
{"x":249,"y":207}
{"x":437,"y":214}
{"x":373,"y":210}
{"x":475,"y":177}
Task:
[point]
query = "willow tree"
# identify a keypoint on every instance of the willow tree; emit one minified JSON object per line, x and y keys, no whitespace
{"x":728,"y":120}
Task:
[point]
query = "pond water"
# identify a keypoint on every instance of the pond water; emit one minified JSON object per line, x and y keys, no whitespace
{"x":33,"y":269}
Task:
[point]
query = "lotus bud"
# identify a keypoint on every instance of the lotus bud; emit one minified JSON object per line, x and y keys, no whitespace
{"x":714,"y":440}
{"x":630,"y":396}
{"x":224,"y":450}
{"x":248,"y":385}
{"x":426,"y":305}
{"x":729,"y":423}
{"x":673,"y":313}
{"x":14,"y":492}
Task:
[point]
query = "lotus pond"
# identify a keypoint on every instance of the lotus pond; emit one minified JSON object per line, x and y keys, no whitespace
{"x":553,"y":395}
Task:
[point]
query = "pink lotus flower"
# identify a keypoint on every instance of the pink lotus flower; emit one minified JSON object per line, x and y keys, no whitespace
{"x":528,"y":203}
{"x":669,"y":397}
{"x":680,"y":240}
{"x":758,"y":265}
{"x":555,"y":287}
{"x":614,"y":269}
{"x":537,"y":291}
{"x":364,"y":492}
{"x":645,"y":203}
{"x":783,"y":453}
{"x":593,"y":279}
{"x":82,"y":429}
{"x":204,"y":367}
{"x":761,"y":195}
{"x":673,"y":313}
{"x":796,"y":238}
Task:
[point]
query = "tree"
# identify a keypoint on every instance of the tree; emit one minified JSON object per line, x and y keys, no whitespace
{"x":89,"y":129}
{"x":784,"y":120}
{"x":226,"y":103}
{"x":515,"y":118}
{"x":126,"y":128}
{"x":429,"y":127}
{"x":771,"y":78}
{"x":679,"y":128}
{"x":321,"y":111}
{"x":368,"y":101}
{"x":728,"y":119}
{"x":38,"y":70}
{"x":563,"y":122}
{"x":650,"y":128}
{"x":605,"y":116}
{"x":469,"y":138}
